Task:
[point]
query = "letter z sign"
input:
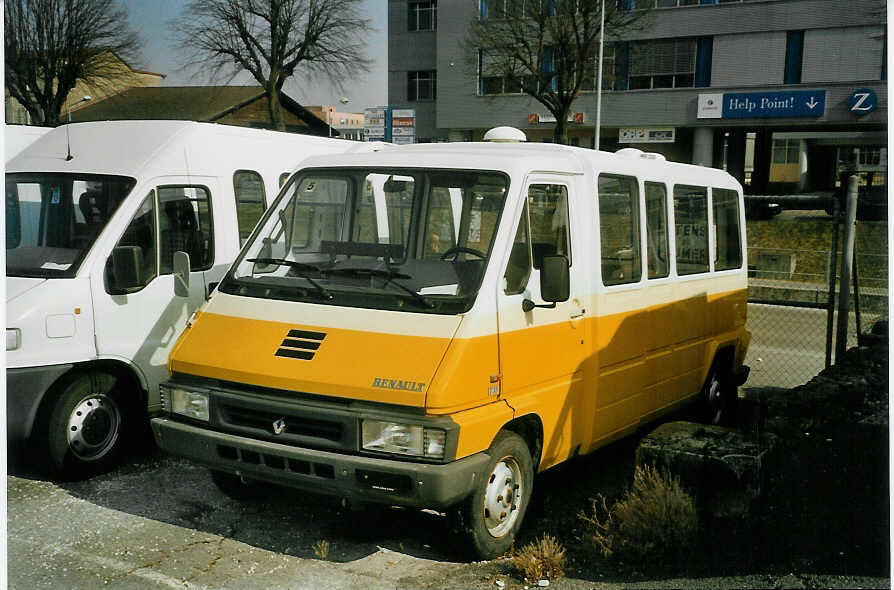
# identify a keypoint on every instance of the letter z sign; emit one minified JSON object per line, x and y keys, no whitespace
{"x":863,"y":101}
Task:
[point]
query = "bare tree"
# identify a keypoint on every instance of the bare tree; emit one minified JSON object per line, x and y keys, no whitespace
{"x":544,"y":48}
{"x":272,"y":39}
{"x":51,"y":45}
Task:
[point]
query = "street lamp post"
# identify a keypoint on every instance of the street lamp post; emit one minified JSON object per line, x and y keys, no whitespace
{"x":599,"y":78}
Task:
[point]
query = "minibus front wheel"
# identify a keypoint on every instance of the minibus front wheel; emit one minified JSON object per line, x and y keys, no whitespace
{"x":86,"y":430}
{"x":492,"y":515}
{"x":719,"y":396}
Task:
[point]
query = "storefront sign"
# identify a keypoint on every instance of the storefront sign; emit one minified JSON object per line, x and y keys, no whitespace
{"x":744,"y":105}
{"x":646,"y":135}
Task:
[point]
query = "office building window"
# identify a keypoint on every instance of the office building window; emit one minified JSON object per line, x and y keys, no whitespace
{"x":491,"y":78}
{"x":608,"y":70}
{"x":785,"y":151}
{"x":421,"y":85}
{"x":646,"y":4}
{"x":665,"y":63}
{"x":423,"y":16}
{"x":794,"y":53}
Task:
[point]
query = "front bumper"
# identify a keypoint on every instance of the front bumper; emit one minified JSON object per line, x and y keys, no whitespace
{"x":25,"y":390}
{"x":362,"y":479}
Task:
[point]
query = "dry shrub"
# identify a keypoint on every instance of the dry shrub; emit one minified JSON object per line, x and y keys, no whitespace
{"x":541,"y":560}
{"x":321,"y":549}
{"x":655,"y":520}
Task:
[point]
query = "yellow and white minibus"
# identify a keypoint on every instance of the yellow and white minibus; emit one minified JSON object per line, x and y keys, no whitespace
{"x":432,"y":325}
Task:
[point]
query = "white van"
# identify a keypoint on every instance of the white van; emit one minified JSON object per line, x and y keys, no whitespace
{"x":18,"y":137}
{"x":91,"y":313}
{"x":530,"y":303}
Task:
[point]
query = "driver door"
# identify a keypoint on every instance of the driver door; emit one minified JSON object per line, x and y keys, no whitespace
{"x":542,"y":351}
{"x":141,"y":326}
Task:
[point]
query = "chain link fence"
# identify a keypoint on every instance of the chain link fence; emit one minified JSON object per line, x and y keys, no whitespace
{"x":788,"y":310}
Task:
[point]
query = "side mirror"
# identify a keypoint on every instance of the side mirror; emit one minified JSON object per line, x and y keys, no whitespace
{"x":554,"y":278}
{"x":181,"y":274}
{"x":124,"y":270}
{"x":554,"y":282}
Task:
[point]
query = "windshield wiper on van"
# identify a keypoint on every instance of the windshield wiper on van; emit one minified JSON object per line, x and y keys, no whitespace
{"x":388,"y":275}
{"x":299,"y":268}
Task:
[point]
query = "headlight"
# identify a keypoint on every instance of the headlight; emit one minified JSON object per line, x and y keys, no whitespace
{"x":192,"y":404}
{"x":403,"y":439}
{"x":13,"y":338}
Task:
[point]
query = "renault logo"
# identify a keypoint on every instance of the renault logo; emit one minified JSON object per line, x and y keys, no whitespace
{"x":279,"y":426}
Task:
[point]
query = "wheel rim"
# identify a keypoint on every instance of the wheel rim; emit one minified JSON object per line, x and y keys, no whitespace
{"x":715,"y":400}
{"x":93,"y":427}
{"x":503,"y":496}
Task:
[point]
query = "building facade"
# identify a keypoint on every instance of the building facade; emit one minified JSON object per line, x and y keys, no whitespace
{"x":778,"y":92}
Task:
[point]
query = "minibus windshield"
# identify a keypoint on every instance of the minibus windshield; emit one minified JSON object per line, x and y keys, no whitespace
{"x":52,"y":219}
{"x":400,"y":239}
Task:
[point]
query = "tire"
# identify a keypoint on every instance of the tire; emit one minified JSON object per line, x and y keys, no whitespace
{"x":719,"y":398}
{"x":236,"y":488}
{"x":90,"y":425}
{"x":492,"y":515}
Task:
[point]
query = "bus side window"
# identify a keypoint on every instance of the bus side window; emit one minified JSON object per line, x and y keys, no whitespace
{"x":248,"y":188}
{"x":656,"y":230}
{"x":727,"y":230}
{"x":619,"y":231}
{"x":691,"y":219}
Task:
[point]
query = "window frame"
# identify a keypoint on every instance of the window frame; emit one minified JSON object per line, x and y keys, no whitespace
{"x":671,"y":266}
{"x":414,"y":8}
{"x":414,"y":81}
{"x":709,"y":264}
{"x":739,"y":227}
{"x":213,"y":242}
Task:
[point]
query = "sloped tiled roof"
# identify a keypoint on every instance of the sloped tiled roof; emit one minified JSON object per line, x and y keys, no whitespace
{"x":194,"y":103}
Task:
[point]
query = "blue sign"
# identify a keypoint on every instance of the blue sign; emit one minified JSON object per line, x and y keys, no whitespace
{"x":863,"y":101}
{"x":791,"y":103}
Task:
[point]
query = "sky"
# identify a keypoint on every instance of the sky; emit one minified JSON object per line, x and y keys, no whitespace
{"x":155,"y":21}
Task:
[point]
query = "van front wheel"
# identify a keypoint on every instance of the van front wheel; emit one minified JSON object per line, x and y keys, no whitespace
{"x":86,"y":431}
{"x":492,"y":515}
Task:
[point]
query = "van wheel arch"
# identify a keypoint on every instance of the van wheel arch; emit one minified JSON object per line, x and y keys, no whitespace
{"x":131,"y":398}
{"x":530,"y":428}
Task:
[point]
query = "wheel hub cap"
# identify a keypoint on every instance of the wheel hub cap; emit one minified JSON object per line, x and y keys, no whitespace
{"x":502,"y":497}
{"x":93,"y":427}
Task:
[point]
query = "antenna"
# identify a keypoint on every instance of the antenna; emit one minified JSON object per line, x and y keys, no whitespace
{"x":68,"y":156}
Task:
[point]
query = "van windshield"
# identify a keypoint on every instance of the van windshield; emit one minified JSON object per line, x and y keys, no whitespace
{"x":410,"y":239}
{"x":52,"y":219}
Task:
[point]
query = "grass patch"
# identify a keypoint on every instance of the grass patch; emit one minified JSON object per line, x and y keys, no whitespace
{"x":656,"y":521}
{"x":543,"y":559}
{"x":321,"y":549}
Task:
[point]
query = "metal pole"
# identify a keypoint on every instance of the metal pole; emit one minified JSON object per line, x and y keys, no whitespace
{"x":830,"y":306}
{"x":857,"y":296}
{"x":847,"y":261}
{"x":599,"y":77}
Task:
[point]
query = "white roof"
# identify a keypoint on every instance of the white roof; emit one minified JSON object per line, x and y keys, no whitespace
{"x":127,"y":147}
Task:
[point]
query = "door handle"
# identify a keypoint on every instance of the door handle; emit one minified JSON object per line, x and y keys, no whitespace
{"x":577,"y":314}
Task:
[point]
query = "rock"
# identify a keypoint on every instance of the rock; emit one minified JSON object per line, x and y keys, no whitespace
{"x":722,"y":467}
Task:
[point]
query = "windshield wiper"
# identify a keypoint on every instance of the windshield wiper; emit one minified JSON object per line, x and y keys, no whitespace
{"x":388,"y":275}
{"x":299,"y":267}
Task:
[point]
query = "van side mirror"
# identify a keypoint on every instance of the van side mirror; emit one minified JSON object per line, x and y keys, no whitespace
{"x":555,"y":278}
{"x":181,"y":274}
{"x":124,"y":270}
{"x":554,"y":282}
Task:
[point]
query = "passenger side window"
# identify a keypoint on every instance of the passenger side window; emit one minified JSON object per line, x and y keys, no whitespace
{"x":548,"y":208}
{"x":656,"y":231}
{"x":726,"y":229}
{"x":519,"y":267}
{"x":185,"y":225}
{"x":140,"y":238}
{"x":619,"y":229}
{"x":691,"y":218}
{"x":248,"y":187}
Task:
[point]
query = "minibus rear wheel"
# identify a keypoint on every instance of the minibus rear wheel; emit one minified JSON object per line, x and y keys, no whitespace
{"x":718,"y":398}
{"x":492,"y":515}
{"x":87,"y":429}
